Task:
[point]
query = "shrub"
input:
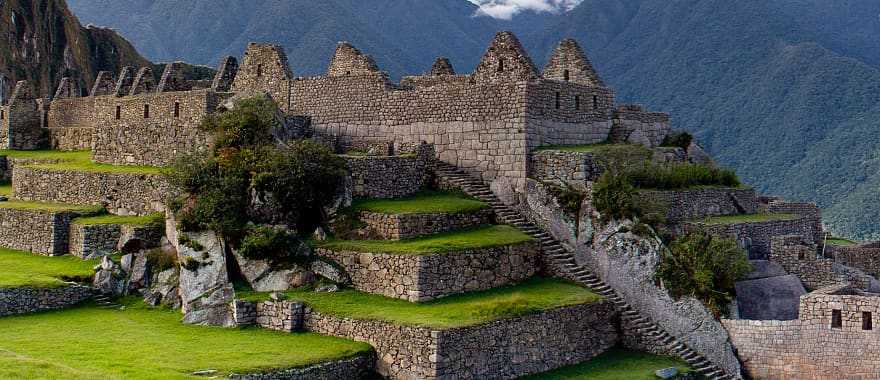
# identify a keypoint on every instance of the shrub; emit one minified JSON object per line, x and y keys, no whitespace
{"x":680,"y":176}
{"x":704,"y":266}
{"x":679,"y":139}
{"x":569,"y":198}
{"x":268,"y":243}
{"x":160,"y":260}
{"x":613,"y":196}
{"x":621,"y":157}
{"x":250,"y":124}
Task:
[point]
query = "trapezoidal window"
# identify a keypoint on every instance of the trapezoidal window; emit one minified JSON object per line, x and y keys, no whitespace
{"x":146,"y":111}
{"x":836,"y":319}
{"x":176,"y":109}
{"x":259,"y":70}
{"x":118,"y":112}
{"x":2,"y":114}
{"x":867,"y":323}
{"x":565,"y":75}
{"x":577,"y":102}
{"x":595,"y":102}
{"x":558,"y":105}
{"x":500,"y":65}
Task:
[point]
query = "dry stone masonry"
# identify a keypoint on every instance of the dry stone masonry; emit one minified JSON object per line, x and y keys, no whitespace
{"x":30,"y":300}
{"x":407,"y":226}
{"x":35,"y":230}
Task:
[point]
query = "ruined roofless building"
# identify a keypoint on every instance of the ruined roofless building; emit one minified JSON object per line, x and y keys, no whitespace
{"x":486,"y":122}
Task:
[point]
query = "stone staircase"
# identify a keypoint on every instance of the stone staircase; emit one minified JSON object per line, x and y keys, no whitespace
{"x":565,"y":260}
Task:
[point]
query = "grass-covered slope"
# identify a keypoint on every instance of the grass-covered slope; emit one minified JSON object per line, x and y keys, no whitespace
{"x":25,"y":269}
{"x":140,"y":343}
{"x":422,"y":203}
{"x":461,"y":310}
{"x":80,"y":160}
{"x":615,"y":364}
{"x":476,"y":238}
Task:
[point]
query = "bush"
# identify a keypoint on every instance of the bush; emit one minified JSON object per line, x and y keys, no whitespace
{"x":680,"y":176}
{"x":704,"y":266}
{"x":250,"y":124}
{"x":269,"y":243}
{"x":569,"y":198}
{"x":613,"y":196}
{"x":160,"y":260}
{"x":678,"y":140}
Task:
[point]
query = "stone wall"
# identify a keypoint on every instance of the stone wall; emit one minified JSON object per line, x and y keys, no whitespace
{"x":863,"y":256}
{"x":406,"y":226}
{"x":29,"y":300}
{"x":358,"y":367}
{"x":503,"y":349}
{"x":152,"y":128}
{"x":21,"y":126}
{"x":390,"y":176}
{"x":633,"y":124}
{"x":35,"y":230}
{"x":93,"y":240}
{"x":122,"y":193}
{"x":71,"y":122}
{"x":702,"y":203}
{"x":419,"y":278}
{"x":280,"y":315}
{"x":264,"y":69}
{"x":812,"y":214}
{"x":810,"y":347}
{"x":574,"y":168}
{"x":800,"y":257}
{"x":755,"y":236}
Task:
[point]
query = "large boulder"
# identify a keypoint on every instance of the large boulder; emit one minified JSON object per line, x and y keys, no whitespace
{"x":110,"y":279}
{"x":205,"y":289}
{"x":164,"y":289}
{"x":262,"y":277}
{"x":697,"y":155}
{"x":769,"y":298}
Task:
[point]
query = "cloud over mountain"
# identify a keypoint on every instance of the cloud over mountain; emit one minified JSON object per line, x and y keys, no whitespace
{"x":505,"y":9}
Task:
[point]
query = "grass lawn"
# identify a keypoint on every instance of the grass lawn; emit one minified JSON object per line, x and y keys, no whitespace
{"x":468,"y":309}
{"x":422,"y":203}
{"x":52,"y":207}
{"x":481,"y":237}
{"x":589,"y":148}
{"x":154,"y":218}
{"x":20,"y":269}
{"x":142,"y":343}
{"x":615,"y":364}
{"x":6,"y":188}
{"x":80,"y":160}
{"x":839,"y":241}
{"x":745,"y":218}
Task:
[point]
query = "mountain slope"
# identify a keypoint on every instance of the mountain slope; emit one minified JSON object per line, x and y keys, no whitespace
{"x":43,"y":41}
{"x":787,"y":92}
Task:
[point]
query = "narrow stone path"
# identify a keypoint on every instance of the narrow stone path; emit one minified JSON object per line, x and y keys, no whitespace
{"x":564,"y":259}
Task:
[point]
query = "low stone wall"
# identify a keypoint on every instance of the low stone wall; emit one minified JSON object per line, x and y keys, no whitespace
{"x":574,"y":168}
{"x":390,"y":176}
{"x":29,"y":300}
{"x":419,"y":278}
{"x":94,"y":240}
{"x":801,"y":258}
{"x":504,"y":349}
{"x":405,"y":226}
{"x":358,"y":367}
{"x":36,"y":231}
{"x":630,"y":120}
{"x":864,"y":256}
{"x":121,"y":193}
{"x":811,"y":214}
{"x":71,"y":138}
{"x":280,"y":315}
{"x":755,"y":236}
{"x":702,"y":203}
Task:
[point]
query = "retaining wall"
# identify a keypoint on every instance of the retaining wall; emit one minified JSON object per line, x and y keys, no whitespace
{"x":702,"y":203}
{"x":121,"y":193}
{"x":755,"y":236}
{"x":37,"y":231}
{"x":358,"y":367}
{"x":390,"y":176}
{"x":406,"y":226}
{"x":419,"y":278}
{"x":503,"y":349}
{"x":92,"y":240}
{"x":30,"y":300}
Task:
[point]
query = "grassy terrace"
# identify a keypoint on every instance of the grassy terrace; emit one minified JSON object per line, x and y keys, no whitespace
{"x":154,"y":218}
{"x":616,"y":364}
{"x":588,"y":148}
{"x":143,"y":343}
{"x":745,"y":218}
{"x":481,"y":237}
{"x":422,"y":203}
{"x":25,"y":269}
{"x":75,"y":160}
{"x":5,"y":189}
{"x":456,"y":311}
{"x":52,"y":207}
{"x":840,"y":241}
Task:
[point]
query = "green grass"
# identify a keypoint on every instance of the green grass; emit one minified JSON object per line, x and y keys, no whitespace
{"x":481,"y":237}
{"x":6,"y":188}
{"x":80,"y":160}
{"x":151,"y":219}
{"x":615,"y":364}
{"x":745,"y":218}
{"x":142,"y":343}
{"x":422,"y":203}
{"x":839,"y":241}
{"x":52,"y":207}
{"x":25,"y":269}
{"x":468,"y":309}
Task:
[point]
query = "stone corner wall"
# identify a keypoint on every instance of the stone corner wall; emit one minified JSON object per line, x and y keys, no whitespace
{"x":35,"y":231}
{"x":357,"y":367}
{"x":755,"y":237}
{"x":406,"y":226}
{"x":390,"y":176}
{"x":30,"y":300}
{"x":701,"y":203}
{"x":633,"y":124}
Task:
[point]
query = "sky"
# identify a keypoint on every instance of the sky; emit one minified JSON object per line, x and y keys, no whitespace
{"x":505,"y":9}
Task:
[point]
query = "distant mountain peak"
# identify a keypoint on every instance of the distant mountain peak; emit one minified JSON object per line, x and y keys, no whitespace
{"x":506,"y":9}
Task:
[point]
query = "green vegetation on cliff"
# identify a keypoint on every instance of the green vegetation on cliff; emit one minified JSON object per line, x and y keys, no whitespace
{"x":25,"y":269}
{"x":476,"y":238}
{"x":139,"y":342}
{"x":468,"y":309}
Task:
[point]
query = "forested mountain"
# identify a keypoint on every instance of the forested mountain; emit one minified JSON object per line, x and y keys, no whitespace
{"x":787,"y":92}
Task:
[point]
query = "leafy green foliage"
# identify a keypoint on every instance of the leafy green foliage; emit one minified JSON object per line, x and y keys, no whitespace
{"x":675,"y":176}
{"x":569,"y":198}
{"x":704,"y":266}
{"x":161,"y":260}
{"x":250,"y":124}
{"x":268,"y":243}
{"x":679,"y":139}
{"x":613,"y":196}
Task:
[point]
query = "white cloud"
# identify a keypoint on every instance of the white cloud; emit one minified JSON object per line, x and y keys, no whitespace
{"x":505,"y":9}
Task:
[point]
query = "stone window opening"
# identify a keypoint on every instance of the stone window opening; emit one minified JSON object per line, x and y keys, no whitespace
{"x":146,"y":111}
{"x":501,"y":65}
{"x":867,"y":323}
{"x":836,"y":319}
{"x":259,"y":70}
{"x":595,"y":102}
{"x":176,"y":109}
{"x":118,"y":112}
{"x":557,"y":101}
{"x":565,"y":75}
{"x":801,"y":254}
{"x":2,"y":114}
{"x":577,"y":102}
